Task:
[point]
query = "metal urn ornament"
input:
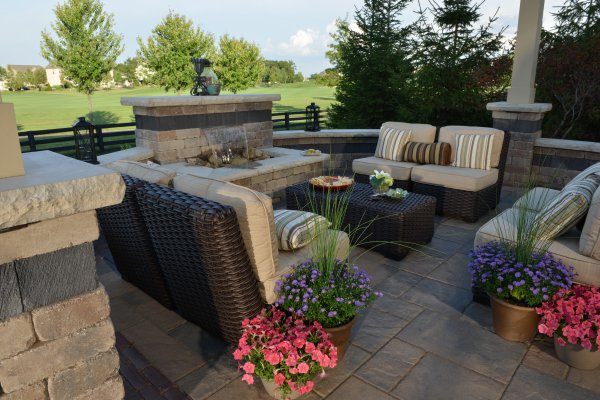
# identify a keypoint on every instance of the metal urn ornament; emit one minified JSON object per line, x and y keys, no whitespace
{"x":85,"y":144}
{"x":207,"y":82}
{"x":312,"y":118}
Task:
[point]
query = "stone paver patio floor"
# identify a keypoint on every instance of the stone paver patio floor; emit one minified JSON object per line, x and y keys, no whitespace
{"x":425,"y":339}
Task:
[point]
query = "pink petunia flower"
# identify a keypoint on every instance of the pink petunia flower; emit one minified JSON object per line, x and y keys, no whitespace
{"x":279,"y":379}
{"x":248,"y":367}
{"x":303,"y":368}
{"x":248,"y":379}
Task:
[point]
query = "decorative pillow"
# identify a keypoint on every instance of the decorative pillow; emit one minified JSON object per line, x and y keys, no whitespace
{"x":589,"y":242}
{"x":427,"y":153}
{"x":474,"y":151}
{"x":295,"y":229}
{"x":390,"y":145}
{"x":567,"y":208}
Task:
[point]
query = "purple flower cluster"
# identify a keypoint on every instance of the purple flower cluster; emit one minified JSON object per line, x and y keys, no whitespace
{"x":495,"y":269}
{"x":332,"y":299}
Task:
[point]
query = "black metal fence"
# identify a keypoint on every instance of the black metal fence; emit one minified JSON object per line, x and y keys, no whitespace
{"x":113,"y":137}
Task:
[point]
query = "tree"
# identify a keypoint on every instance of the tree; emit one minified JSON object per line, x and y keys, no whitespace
{"x":126,"y":71}
{"x":279,"y":71}
{"x":239,"y":64}
{"x":38,"y":78}
{"x":86,"y":47}
{"x":170,"y":48}
{"x":569,"y":71}
{"x":15,"y":80}
{"x":374,"y":66}
{"x":329,"y":77}
{"x":3,"y":73}
{"x":456,"y":64}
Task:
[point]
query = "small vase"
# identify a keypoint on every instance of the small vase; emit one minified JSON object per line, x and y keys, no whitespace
{"x":340,"y":337}
{"x":271,"y":388}
{"x":576,"y":356}
{"x":514,"y":323}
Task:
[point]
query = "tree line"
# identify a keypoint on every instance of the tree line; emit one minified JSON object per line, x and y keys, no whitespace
{"x":445,"y":67}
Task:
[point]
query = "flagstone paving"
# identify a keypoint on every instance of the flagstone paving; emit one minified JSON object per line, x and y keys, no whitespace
{"x":425,"y":339}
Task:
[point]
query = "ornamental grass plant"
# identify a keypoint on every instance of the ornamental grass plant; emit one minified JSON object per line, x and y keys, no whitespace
{"x":281,"y":347}
{"x":573,"y":316}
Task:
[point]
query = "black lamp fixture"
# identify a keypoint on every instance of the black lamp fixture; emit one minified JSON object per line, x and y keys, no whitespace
{"x":207,"y":82}
{"x":85,"y":146}
{"x":312,"y":118}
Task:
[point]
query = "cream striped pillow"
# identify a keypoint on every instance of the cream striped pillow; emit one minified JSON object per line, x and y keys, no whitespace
{"x":567,"y":208}
{"x":295,"y":229}
{"x":391,"y":143}
{"x":474,"y":151}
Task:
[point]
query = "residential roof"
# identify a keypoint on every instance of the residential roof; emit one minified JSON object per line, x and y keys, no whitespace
{"x":23,"y":67}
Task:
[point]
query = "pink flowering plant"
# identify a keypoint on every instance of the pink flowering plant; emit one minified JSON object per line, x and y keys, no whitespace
{"x":285,"y":349}
{"x":494,"y":267}
{"x":332,"y":298}
{"x":573,"y":315}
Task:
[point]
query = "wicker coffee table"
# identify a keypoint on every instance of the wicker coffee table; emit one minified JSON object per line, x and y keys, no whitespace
{"x":408,"y":221}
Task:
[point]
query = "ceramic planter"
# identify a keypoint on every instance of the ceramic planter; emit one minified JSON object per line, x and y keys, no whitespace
{"x":576,"y":356}
{"x":271,"y":388}
{"x":340,"y":337}
{"x":514,"y":323}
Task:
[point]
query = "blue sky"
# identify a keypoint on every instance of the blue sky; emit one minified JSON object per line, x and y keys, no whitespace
{"x":283,"y":29}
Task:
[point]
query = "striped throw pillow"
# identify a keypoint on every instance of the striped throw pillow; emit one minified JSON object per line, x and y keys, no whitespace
{"x":474,"y":151}
{"x":427,"y":153}
{"x":295,"y":229}
{"x":391,"y":143}
{"x":567,"y":208}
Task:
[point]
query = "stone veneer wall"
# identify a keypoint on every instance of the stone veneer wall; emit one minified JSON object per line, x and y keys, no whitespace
{"x":343,"y":146}
{"x":556,"y":161}
{"x":56,"y":337}
{"x":177,"y":128}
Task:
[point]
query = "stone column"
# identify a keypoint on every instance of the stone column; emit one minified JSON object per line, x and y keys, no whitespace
{"x":11,"y":163}
{"x":56,"y":337}
{"x":524,"y":122}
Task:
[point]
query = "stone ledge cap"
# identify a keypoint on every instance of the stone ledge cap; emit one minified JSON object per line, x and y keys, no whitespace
{"x":563,"y":144}
{"x":174,"y":101}
{"x":54,"y":186}
{"x":519,"y":107}
{"x":326,"y":133}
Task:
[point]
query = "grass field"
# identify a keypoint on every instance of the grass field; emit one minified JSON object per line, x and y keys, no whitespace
{"x":46,"y":110}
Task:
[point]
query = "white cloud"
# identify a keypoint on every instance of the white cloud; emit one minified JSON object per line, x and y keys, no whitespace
{"x":301,"y":43}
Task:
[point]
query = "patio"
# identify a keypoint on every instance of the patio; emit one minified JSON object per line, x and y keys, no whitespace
{"x":425,"y":339}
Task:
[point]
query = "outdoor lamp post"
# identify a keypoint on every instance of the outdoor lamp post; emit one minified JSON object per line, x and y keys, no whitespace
{"x":85,"y":146}
{"x":207,"y":82}
{"x":312,"y":118}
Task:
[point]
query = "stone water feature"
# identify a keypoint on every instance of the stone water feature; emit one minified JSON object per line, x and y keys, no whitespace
{"x":183,"y":133}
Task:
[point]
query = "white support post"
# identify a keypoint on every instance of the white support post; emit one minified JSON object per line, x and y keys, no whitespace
{"x":522,"y":89}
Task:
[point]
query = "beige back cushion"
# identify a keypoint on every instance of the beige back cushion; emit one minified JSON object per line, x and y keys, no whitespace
{"x":589,"y":242}
{"x":254,"y":212}
{"x":448,"y":135}
{"x":152,"y":173}
{"x":419,"y":132}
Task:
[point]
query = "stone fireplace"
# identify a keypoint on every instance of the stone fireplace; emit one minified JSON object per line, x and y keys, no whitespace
{"x":179,"y":130}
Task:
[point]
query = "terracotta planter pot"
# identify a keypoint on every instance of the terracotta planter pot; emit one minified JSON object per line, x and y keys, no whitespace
{"x":340,"y":336}
{"x":576,"y":356}
{"x":514,"y":323}
{"x":271,"y":388}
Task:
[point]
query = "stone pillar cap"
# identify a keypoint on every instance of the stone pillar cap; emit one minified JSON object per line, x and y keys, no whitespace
{"x":519,"y":107}
{"x":173,"y":101}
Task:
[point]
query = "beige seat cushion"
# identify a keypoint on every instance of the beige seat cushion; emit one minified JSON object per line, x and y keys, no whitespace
{"x":472,"y":180}
{"x":399,"y":170}
{"x":289,"y":258}
{"x":254,"y":212}
{"x":448,"y":135}
{"x":536,"y":198}
{"x":419,"y":132}
{"x":589,"y":243}
{"x":152,"y":173}
{"x":564,"y":248}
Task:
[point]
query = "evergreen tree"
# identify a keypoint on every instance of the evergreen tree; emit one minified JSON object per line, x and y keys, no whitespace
{"x":86,"y":47}
{"x":373,"y":65}
{"x":569,"y":71}
{"x":457,"y":64}
{"x":170,"y":48}
{"x":239,"y":64}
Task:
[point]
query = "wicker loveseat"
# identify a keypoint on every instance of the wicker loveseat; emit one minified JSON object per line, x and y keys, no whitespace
{"x":210,"y":246}
{"x":465,"y":193}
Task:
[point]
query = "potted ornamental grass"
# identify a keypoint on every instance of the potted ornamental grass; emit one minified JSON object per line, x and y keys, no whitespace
{"x":515,"y":287}
{"x":332,"y":297}
{"x":572,"y":318}
{"x":285,"y":351}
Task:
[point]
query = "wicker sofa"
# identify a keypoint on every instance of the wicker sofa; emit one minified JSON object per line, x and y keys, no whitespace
{"x":208,"y":245}
{"x":460,"y":192}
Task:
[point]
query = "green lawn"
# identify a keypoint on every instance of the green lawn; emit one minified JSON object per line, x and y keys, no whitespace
{"x":46,"y":110}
